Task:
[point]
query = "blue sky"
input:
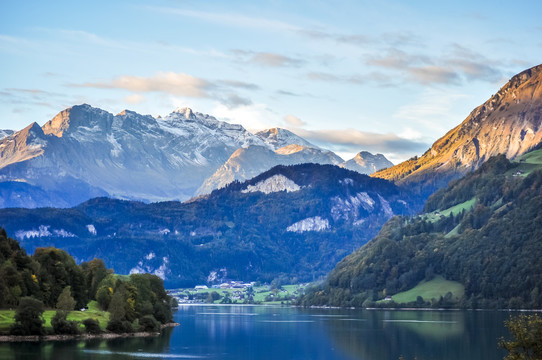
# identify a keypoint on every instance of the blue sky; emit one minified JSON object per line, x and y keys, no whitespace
{"x":383,"y":76}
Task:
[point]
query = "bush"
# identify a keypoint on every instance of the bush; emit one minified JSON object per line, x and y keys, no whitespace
{"x":119,"y":326}
{"x":62,"y":326}
{"x":92,"y":326}
{"x":149,"y":324}
{"x":28,"y":320}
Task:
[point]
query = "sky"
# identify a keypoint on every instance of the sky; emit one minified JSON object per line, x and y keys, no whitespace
{"x":388,"y":77}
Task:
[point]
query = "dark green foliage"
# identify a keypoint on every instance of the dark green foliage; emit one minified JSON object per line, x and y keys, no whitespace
{"x":95,"y":271}
{"x":63,"y":326}
{"x":243,"y":232}
{"x":212,"y":297}
{"x":58,"y":270}
{"x":119,"y":326}
{"x":149,"y":324}
{"x":526,"y":344}
{"x":92,"y":326}
{"x":65,"y":301}
{"x":28,"y":317}
{"x":17,"y":272}
{"x":494,"y":251}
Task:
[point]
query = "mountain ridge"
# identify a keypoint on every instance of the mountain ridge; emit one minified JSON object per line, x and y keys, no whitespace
{"x":508,"y":123}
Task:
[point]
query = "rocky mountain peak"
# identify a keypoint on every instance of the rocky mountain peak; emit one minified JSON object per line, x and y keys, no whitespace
{"x":366,"y":163}
{"x":278,"y":138}
{"x":508,"y":123}
{"x":72,"y":119}
{"x":186,"y":112}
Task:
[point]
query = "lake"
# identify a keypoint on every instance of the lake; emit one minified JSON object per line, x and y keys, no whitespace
{"x":263,"y":332}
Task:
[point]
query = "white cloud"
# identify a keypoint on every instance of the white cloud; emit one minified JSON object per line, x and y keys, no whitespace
{"x":167,"y":82}
{"x":294,"y":121}
{"x":253,"y":117}
{"x":134,"y":99}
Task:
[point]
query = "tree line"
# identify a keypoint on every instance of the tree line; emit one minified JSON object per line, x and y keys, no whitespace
{"x":52,"y":279}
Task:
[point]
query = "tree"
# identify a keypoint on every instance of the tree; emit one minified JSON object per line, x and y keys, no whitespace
{"x":61,"y":325}
{"x":65,"y":300}
{"x":92,"y":326}
{"x":527,"y":333}
{"x":28,"y":317}
{"x":116,"y":306}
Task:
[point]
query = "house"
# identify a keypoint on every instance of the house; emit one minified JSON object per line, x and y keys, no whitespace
{"x":201,"y":287}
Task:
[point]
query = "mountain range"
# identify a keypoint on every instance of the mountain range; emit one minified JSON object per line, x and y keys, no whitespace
{"x":85,"y":152}
{"x":292,"y":222}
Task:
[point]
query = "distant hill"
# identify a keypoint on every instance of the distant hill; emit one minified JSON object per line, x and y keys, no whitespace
{"x":483,"y":231}
{"x":508,"y":123}
{"x":291,"y":222}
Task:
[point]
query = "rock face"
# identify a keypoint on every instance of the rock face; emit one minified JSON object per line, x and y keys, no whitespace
{"x":275,"y":183}
{"x":367,"y":163}
{"x":89,"y":152}
{"x":508,"y":123}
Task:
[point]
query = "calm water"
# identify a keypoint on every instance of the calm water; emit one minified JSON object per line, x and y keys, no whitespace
{"x":241,"y":332}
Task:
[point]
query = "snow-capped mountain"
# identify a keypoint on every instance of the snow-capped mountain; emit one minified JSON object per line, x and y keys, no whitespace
{"x":278,"y":138}
{"x":367,"y":163}
{"x":128,"y":155}
{"x":5,"y":133}
{"x":248,"y":162}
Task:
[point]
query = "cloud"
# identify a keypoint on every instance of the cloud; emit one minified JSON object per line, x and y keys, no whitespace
{"x":352,"y":140}
{"x":433,"y":75}
{"x":452,"y":67}
{"x":227,"y":18}
{"x":134,"y":99}
{"x":287,"y":93}
{"x":328,"y":77}
{"x":234,"y":100}
{"x":294,"y":121}
{"x":350,"y":39}
{"x":275,"y":60}
{"x":253,"y":117}
{"x":267,"y":59}
{"x":239,"y":84}
{"x":167,"y":82}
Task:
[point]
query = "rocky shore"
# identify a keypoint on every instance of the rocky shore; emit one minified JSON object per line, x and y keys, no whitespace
{"x":105,"y":335}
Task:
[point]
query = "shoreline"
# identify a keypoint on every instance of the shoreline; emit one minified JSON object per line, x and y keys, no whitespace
{"x":64,"y":337}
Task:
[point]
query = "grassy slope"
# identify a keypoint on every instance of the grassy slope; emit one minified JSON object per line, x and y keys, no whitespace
{"x":529,"y":162}
{"x":431,"y":289}
{"x":93,"y":312}
{"x":456,"y":209}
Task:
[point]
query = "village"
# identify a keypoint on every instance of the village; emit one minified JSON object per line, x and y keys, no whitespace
{"x":239,"y":292}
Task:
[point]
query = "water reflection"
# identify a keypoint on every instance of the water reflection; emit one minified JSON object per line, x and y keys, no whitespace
{"x":89,"y":349}
{"x":256,"y":332}
{"x":420,"y":335}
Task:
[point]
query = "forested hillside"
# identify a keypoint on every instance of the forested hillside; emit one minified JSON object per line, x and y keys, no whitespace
{"x":483,"y":231}
{"x":291,"y":222}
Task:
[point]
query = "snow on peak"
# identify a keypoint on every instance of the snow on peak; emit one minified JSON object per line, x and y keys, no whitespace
{"x":186,"y":112}
{"x":275,"y":183}
{"x":277,"y":138}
